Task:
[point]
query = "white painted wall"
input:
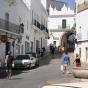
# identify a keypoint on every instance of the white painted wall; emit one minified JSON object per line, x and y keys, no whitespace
{"x":21,"y":13}
{"x":82,"y":28}
{"x":39,"y":10}
{"x":54,"y":23}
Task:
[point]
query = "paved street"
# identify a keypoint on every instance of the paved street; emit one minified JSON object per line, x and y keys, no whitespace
{"x":47,"y":73}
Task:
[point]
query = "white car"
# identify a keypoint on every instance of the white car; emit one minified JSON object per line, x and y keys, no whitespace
{"x":22,"y":61}
{"x":25,"y":61}
{"x":34,"y":60}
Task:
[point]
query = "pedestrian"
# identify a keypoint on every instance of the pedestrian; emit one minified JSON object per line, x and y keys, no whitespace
{"x":77,"y":61}
{"x":9,"y":63}
{"x":51,"y":48}
{"x":66,"y":61}
{"x":43,"y":48}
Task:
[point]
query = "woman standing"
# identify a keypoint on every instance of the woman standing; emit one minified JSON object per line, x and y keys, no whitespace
{"x":77,"y":61}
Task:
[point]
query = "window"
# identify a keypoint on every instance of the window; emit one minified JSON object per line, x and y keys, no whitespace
{"x":17,"y":49}
{"x":80,"y":52}
{"x":31,"y":46}
{"x":64,"y":23}
{"x":7,"y":16}
{"x":7,"y":21}
{"x":27,"y":46}
{"x":86,"y":54}
{"x":22,"y":47}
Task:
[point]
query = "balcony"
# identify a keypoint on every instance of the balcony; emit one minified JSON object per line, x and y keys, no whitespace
{"x":67,"y":28}
{"x":47,"y":30}
{"x":42,"y":27}
{"x":60,"y":29}
{"x":36,"y":25}
{"x":9,"y":26}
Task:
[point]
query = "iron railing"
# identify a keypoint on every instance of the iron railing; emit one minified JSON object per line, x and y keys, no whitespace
{"x":67,"y":28}
{"x":37,"y":24}
{"x":40,"y":26}
{"x":9,"y":26}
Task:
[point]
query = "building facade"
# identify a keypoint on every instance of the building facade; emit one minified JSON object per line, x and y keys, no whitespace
{"x":23,"y":26}
{"x":61,"y":23}
{"x":82,"y":30}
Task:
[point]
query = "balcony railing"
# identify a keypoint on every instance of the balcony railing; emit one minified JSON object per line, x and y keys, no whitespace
{"x":9,"y":26}
{"x":37,"y":24}
{"x":42,"y":27}
{"x":47,"y":30}
{"x":67,"y":28}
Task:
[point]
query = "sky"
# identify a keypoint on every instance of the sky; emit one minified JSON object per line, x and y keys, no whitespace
{"x":70,"y":3}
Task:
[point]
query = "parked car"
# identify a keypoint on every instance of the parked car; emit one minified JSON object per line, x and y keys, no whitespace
{"x":22,"y":61}
{"x":34,"y":59}
{"x":25,"y":61}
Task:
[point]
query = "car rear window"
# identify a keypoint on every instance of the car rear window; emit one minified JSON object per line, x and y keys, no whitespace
{"x":20,"y":57}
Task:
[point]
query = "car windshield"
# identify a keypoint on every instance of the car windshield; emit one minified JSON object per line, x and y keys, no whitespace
{"x":21,"y":57}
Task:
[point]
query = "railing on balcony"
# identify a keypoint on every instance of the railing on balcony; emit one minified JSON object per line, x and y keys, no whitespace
{"x":47,"y":30}
{"x":9,"y":26}
{"x":42,"y":27}
{"x":60,"y":29}
{"x":67,"y":28}
{"x":37,"y":24}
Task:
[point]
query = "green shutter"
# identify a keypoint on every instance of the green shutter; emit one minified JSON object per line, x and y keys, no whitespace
{"x":63,"y":23}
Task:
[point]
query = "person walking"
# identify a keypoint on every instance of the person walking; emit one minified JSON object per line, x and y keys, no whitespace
{"x":9,"y":63}
{"x":66,"y":61}
{"x":77,"y":61}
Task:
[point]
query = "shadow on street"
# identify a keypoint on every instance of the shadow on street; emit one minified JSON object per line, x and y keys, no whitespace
{"x":45,"y":60}
{"x":14,"y":72}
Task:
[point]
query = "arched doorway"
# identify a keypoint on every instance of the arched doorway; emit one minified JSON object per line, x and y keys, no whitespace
{"x":68,"y":41}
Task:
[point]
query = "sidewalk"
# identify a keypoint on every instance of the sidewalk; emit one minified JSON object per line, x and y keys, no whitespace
{"x":68,"y":85}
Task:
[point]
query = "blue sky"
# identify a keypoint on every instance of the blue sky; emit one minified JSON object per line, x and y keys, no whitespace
{"x":71,"y":3}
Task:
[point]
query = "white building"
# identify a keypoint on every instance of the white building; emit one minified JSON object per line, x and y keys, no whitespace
{"x":39,"y":25}
{"x":60,"y":22}
{"x":82,"y":30}
{"x":23,"y":26}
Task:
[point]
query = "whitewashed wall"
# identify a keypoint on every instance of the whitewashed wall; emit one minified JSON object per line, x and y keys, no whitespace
{"x":55,"y":22}
{"x":82,"y":28}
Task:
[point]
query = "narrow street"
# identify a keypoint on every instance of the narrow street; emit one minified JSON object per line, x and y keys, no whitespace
{"x":47,"y":73}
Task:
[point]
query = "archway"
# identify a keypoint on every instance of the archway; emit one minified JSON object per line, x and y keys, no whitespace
{"x":68,"y":41}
